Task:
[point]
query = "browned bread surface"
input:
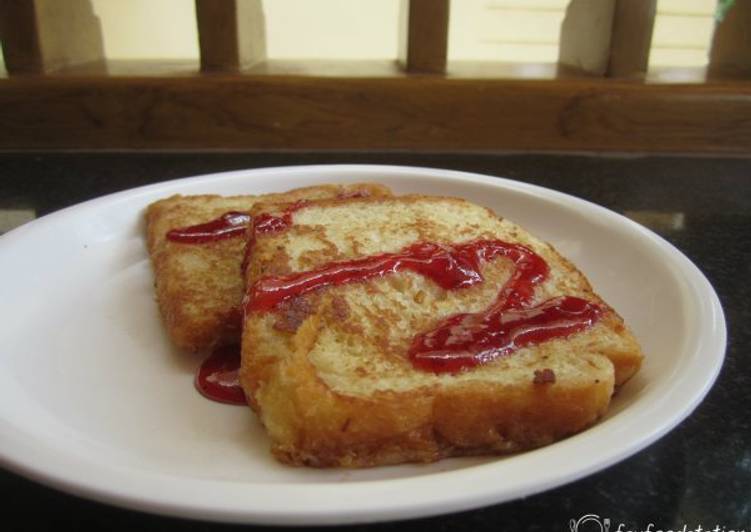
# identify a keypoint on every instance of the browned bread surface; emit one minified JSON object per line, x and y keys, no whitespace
{"x":199,"y":286}
{"x":328,"y":372}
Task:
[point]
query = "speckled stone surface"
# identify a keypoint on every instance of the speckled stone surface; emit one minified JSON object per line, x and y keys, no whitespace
{"x":699,"y":474}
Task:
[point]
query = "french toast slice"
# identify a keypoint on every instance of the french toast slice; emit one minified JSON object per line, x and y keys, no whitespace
{"x":328,"y":370}
{"x":199,"y":285}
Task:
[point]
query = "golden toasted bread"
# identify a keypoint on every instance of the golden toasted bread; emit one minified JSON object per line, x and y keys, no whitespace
{"x":328,"y":371}
{"x":199,"y":286}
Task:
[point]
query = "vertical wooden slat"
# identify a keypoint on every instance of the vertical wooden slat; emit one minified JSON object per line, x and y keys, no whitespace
{"x":584,"y":44}
{"x":231,"y":33}
{"x":608,"y":37}
{"x":631,"y":38}
{"x":730,"y":54}
{"x":423,"y":35}
{"x":20,"y":37}
{"x":40,"y":36}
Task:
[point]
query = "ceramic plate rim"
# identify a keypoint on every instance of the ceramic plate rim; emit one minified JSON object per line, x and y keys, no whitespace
{"x":373,"y":500}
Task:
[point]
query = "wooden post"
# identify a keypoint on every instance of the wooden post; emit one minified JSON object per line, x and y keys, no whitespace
{"x":231,"y":34}
{"x":423,"y":35}
{"x":730,"y":55}
{"x":40,"y":36}
{"x":631,"y":38}
{"x":585,"y":36}
{"x":608,"y":37}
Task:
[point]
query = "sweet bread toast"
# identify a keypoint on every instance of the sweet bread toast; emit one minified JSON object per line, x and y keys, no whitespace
{"x":199,"y":285}
{"x":332,"y":362}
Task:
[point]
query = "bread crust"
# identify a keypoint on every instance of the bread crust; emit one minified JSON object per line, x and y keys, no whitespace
{"x":312,"y":425}
{"x":315,"y":420}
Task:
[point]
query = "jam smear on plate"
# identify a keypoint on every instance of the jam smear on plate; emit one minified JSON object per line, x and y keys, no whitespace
{"x":218,"y":377}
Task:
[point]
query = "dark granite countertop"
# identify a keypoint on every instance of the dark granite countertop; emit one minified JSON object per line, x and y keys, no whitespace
{"x":699,"y":474}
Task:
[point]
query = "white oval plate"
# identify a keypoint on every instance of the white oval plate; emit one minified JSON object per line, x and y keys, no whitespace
{"x":95,"y":402}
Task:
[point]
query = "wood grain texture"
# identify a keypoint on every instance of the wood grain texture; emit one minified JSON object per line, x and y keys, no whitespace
{"x":41,"y":36}
{"x":231,"y":34}
{"x":730,"y":53}
{"x":423,"y":35}
{"x":416,"y":113}
{"x":631,"y":38}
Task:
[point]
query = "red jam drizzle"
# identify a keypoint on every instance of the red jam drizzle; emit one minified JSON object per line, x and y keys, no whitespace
{"x":233,"y":224}
{"x":218,"y":377}
{"x":467,"y":340}
{"x":272,"y":223}
{"x":464,"y":340}
{"x":450,"y":267}
{"x":228,"y":225}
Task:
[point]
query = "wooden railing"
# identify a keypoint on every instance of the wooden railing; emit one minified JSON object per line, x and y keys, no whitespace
{"x":61,"y":92}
